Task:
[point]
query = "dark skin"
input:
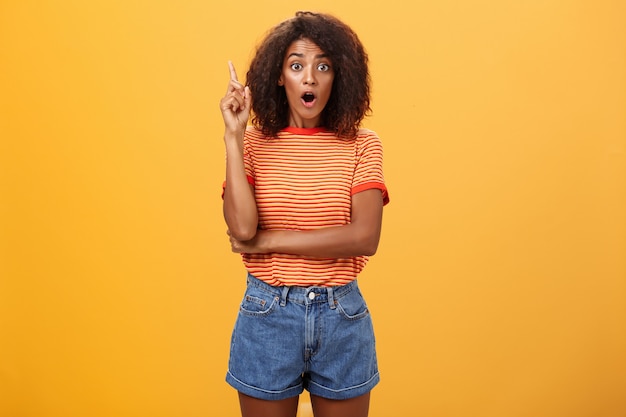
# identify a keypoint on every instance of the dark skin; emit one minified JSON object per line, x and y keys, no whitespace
{"x":305,"y":69}
{"x":322,"y":407}
{"x":254,"y":407}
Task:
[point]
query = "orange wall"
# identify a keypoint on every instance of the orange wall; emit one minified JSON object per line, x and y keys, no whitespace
{"x":499,"y":287}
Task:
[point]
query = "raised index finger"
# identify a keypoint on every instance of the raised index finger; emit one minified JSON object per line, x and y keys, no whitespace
{"x":233,"y":73}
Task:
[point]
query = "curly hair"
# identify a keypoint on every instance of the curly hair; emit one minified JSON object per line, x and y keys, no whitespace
{"x":349,"y":101}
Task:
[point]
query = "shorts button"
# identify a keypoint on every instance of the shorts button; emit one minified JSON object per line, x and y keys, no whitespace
{"x":311,"y":295}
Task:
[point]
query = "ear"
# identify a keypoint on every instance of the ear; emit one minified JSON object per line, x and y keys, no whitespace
{"x":280,"y":81}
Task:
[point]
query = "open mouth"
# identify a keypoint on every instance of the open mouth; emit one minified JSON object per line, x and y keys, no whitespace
{"x":308,"y":98}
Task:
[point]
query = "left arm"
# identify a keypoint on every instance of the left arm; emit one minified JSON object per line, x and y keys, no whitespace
{"x":359,"y":237}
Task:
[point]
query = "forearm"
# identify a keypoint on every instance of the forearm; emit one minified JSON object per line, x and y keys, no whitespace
{"x":330,"y":242}
{"x":357,"y":238}
{"x":240,"y":210}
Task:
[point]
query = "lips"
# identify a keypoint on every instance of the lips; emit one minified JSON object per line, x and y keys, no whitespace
{"x":308,"y":99}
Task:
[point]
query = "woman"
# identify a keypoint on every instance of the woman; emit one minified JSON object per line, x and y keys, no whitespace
{"x":303,"y":201}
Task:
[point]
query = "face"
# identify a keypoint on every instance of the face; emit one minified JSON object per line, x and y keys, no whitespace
{"x":307,"y":76}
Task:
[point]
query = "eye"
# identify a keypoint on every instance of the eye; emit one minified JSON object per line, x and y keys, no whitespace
{"x":323,"y":67}
{"x":296,"y":66}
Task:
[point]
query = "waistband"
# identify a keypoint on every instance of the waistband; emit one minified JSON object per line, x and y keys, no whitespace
{"x":304,"y":295}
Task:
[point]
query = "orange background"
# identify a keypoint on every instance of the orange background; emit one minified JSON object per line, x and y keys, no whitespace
{"x":499,"y":288}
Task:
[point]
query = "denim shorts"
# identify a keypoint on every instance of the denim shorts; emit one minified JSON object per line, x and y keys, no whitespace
{"x":287,"y":339}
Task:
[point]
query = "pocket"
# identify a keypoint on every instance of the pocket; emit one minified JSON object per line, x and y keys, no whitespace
{"x":352,"y":305}
{"x":257,"y":302}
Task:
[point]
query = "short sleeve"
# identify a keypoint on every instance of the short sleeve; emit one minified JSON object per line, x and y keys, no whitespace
{"x":248,"y":162}
{"x":368,"y":172}
{"x":248,"y":159}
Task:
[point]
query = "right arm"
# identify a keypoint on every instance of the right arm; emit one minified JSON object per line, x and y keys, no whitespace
{"x":240,"y":210}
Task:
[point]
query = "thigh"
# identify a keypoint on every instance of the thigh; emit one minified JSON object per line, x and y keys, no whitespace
{"x":255,"y":407}
{"x":266,"y":355}
{"x":352,"y":407}
{"x":345,"y":364}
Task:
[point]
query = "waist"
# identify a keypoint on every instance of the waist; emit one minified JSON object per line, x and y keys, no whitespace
{"x":302,"y":294}
{"x":280,"y":269}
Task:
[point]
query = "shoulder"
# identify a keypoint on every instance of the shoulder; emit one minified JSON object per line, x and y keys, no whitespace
{"x":253,"y":132}
{"x":254,"y":137}
{"x":367,"y":138}
{"x":367,"y":135}
{"x":366,"y":132}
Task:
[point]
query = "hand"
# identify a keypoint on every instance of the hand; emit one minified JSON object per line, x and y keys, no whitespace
{"x":250,"y":246}
{"x":235,"y":105}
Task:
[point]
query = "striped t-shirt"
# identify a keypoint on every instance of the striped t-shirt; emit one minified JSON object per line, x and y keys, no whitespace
{"x":303,"y":179}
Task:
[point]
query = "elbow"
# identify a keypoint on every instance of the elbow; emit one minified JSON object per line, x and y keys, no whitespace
{"x":370,"y":250}
{"x":243,"y":234}
{"x":365,"y":241}
{"x":241,"y":227}
{"x":369,"y":245}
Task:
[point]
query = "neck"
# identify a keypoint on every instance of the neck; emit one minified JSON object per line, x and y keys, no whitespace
{"x":295,"y":121}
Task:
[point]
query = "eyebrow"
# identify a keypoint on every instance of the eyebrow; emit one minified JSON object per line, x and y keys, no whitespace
{"x":302,"y":55}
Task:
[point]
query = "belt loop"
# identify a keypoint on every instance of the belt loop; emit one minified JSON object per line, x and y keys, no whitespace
{"x":283,"y":296}
{"x":331,"y":298}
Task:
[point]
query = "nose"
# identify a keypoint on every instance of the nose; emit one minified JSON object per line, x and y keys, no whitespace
{"x":309,"y":76}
